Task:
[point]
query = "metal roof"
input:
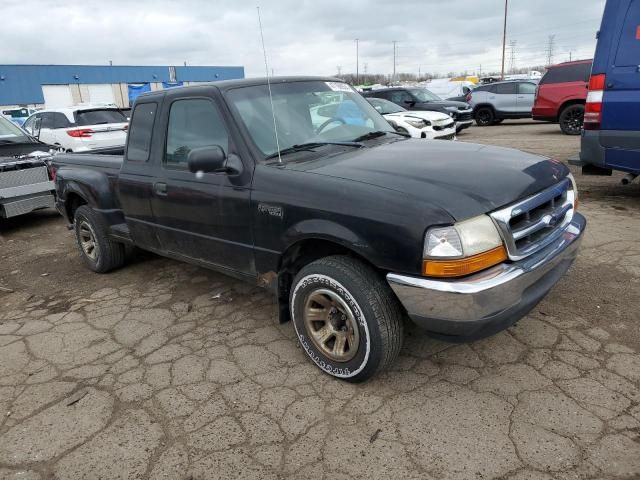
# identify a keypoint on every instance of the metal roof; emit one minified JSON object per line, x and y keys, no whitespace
{"x":22,"y":84}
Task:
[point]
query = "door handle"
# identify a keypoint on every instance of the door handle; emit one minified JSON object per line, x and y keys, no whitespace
{"x":160,"y":188}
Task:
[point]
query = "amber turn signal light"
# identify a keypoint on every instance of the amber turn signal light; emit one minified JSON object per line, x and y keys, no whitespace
{"x":464,"y":266}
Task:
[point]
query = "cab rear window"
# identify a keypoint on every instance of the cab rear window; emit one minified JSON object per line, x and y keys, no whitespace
{"x":99,"y":117}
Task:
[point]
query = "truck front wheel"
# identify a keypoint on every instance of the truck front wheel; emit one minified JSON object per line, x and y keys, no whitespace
{"x":99,"y":252}
{"x":346,"y":318}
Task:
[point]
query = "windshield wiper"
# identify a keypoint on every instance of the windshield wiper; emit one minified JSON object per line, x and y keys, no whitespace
{"x":309,"y":146}
{"x":376,"y":134}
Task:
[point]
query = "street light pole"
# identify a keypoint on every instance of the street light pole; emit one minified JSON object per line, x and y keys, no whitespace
{"x":504,"y":37}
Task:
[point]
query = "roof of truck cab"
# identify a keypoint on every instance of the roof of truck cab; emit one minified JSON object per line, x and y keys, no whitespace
{"x":225,"y":85}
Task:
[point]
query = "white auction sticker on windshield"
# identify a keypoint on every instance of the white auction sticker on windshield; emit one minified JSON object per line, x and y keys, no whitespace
{"x":339,"y":87}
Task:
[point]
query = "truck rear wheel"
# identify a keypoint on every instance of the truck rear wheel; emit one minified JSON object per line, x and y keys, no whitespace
{"x":571,"y":119}
{"x":346,"y":318}
{"x":99,"y":252}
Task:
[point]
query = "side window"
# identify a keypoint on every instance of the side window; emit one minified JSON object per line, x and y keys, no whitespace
{"x":28,"y":125}
{"x":59,"y":120}
{"x":526,"y":88}
{"x":570,"y":73}
{"x":505,"y":88}
{"x":47,"y":120}
{"x":193,"y":123}
{"x":139,"y":142}
{"x":400,"y":96}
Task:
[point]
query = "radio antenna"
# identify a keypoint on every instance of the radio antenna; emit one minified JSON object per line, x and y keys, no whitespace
{"x":266,"y":68}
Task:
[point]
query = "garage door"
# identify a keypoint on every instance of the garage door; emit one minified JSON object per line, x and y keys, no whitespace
{"x":56,"y":96}
{"x":101,"y":94}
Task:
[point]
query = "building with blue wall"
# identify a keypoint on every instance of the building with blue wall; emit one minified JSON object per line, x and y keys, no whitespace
{"x":55,"y":85}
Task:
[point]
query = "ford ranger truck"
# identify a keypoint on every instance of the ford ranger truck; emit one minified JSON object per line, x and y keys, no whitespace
{"x":353,"y":226}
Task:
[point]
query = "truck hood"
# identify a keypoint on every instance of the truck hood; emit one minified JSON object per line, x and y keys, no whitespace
{"x":464,"y":179}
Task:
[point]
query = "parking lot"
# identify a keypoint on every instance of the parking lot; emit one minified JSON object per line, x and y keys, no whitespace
{"x":164,"y":370}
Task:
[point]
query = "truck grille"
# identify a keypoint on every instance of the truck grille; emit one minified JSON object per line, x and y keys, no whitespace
{"x":464,"y":115}
{"x":531,"y":224}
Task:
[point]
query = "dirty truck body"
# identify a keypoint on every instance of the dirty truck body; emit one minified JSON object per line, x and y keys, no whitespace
{"x":352,"y":226}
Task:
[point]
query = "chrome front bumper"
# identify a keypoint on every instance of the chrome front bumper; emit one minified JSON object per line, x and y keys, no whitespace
{"x":488,"y":301}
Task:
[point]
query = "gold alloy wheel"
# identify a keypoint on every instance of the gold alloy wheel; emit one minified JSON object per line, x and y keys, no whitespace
{"x":331,"y":325}
{"x":88,"y":241}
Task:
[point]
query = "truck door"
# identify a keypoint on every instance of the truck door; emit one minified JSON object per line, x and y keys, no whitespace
{"x":135,"y":182}
{"x":204,"y":217}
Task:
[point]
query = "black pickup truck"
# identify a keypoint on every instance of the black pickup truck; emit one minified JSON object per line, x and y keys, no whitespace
{"x":352,"y":226}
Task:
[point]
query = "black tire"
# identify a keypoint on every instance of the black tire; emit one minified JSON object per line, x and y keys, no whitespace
{"x":106,"y":255}
{"x":373,"y":308}
{"x":571,"y":119}
{"x":484,"y":116}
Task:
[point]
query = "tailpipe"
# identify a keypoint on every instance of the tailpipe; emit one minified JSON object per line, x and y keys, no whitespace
{"x":628,"y":178}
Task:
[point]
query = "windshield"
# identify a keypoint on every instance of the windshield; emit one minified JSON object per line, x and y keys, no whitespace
{"x":9,"y":133}
{"x":305,"y":112}
{"x":424,"y":95}
{"x":385,"y":106}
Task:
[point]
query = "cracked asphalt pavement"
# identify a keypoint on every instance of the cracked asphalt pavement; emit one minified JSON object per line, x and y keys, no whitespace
{"x":162,"y":370}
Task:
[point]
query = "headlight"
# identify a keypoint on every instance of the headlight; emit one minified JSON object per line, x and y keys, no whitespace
{"x":464,"y":248}
{"x":574,"y":187}
{"x":418,"y":123}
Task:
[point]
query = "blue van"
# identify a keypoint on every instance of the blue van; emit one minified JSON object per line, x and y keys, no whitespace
{"x":611,"y":135}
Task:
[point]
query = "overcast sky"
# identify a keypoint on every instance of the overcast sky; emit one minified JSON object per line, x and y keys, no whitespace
{"x":302,"y":37}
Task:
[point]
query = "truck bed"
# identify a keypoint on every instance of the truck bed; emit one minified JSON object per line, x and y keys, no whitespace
{"x":109,"y":163}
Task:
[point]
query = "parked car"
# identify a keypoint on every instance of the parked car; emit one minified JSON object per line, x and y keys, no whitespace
{"x":25,"y":180}
{"x":458,"y":91}
{"x":611,"y":134}
{"x":18,"y":115}
{"x":79,"y":128}
{"x":422,"y":99}
{"x":425,"y":124}
{"x":561,"y":95}
{"x":497,"y":101}
{"x":352,"y":226}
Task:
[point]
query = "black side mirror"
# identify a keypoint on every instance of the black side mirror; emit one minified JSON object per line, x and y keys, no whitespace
{"x":411,"y":103}
{"x":207,"y":159}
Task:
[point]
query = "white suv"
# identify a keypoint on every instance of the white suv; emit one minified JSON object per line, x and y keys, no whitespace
{"x":79,"y":128}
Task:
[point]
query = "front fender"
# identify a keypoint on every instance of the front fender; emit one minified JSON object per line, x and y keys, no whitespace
{"x":322,"y":229}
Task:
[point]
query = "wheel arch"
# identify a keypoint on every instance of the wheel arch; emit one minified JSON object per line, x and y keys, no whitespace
{"x":567,"y":103}
{"x":301,"y":253}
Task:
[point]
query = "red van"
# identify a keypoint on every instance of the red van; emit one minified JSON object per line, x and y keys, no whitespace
{"x":561,"y":95}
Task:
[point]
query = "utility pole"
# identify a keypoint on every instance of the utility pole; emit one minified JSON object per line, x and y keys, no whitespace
{"x":393,"y":78}
{"x":570,"y":55}
{"x":504,"y":37}
{"x":550,"y":46}
{"x":364,"y":67}
{"x":512,"y":60}
{"x":357,"y":64}
{"x":339,"y":67}
{"x":480,"y":71}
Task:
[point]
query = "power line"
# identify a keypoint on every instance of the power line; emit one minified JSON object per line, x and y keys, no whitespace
{"x":550,"y":46}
